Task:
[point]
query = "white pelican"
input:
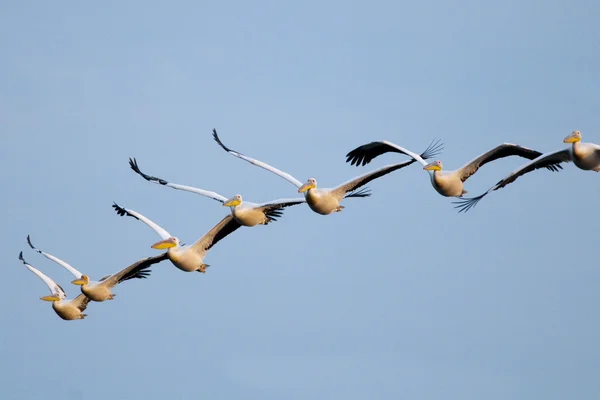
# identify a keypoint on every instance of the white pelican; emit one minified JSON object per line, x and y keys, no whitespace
{"x":246,"y":213}
{"x":585,"y":156}
{"x":186,"y":258}
{"x":326,"y":201}
{"x":446,"y":183}
{"x":66,"y":309}
{"x":101,"y":290}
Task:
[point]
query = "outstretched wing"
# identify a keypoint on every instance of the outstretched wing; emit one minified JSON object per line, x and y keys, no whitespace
{"x":362,"y":155}
{"x":60,"y":262}
{"x":213,"y":195}
{"x":261,"y":164}
{"x":226,"y":226}
{"x":81,"y":302}
{"x":138,"y":270}
{"x":273,"y":209}
{"x":54,"y":287}
{"x":348,"y":189}
{"x":501,"y":151}
{"x":130,"y":213}
{"x":544,"y":161}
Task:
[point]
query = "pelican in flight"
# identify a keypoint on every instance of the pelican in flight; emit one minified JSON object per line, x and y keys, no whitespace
{"x":186,"y":258}
{"x":326,"y":201}
{"x":246,"y":213}
{"x":446,"y":183}
{"x":101,"y":290}
{"x":66,"y":309}
{"x":585,"y":156}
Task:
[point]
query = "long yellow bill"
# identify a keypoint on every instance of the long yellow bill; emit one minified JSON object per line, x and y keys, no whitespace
{"x":50,"y":298}
{"x":307,"y":186}
{"x":232,"y":203}
{"x":164,"y":244}
{"x":432,"y":167}
{"x":571,"y":139}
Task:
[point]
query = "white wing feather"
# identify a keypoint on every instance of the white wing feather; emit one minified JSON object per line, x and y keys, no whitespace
{"x":57,"y":260}
{"x":409,"y":153}
{"x":125,"y":211}
{"x":53,"y":286}
{"x":258,"y":163}
{"x":159,"y":181}
{"x":202,"y":192}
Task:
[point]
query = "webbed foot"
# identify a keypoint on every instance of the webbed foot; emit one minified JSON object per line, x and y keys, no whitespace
{"x":202,"y":268}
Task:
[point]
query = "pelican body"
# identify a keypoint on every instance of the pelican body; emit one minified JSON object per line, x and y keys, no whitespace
{"x":585,"y":156}
{"x":186,"y":258}
{"x":68,"y":310}
{"x":327,"y":201}
{"x":446,"y":183}
{"x":64,"y":308}
{"x":322,"y":201}
{"x":252,"y":214}
{"x":247,"y":215}
{"x":94,"y":291}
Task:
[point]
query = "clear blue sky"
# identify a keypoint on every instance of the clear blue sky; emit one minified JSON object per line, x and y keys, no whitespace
{"x":396,"y":297}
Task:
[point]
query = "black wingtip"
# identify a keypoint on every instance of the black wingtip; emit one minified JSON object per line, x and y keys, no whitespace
{"x":554,"y":167}
{"x":133,"y":165}
{"x":363,"y":192}
{"x":218,"y":140}
{"x":136,"y":168}
{"x":465,"y":204}
{"x":29,"y":242}
{"x":21,"y":258}
{"x":358,"y":158}
{"x":120,"y":210}
{"x":272,"y":215}
{"x":143,"y":274}
{"x":351,"y":159}
{"x":435,"y":148}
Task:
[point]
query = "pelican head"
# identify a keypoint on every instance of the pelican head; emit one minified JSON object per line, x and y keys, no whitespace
{"x":53,"y":297}
{"x":166,"y":244}
{"x":310,"y":184}
{"x":84,"y":280}
{"x":234,"y":201}
{"x":433,"y":166}
{"x":574,"y":137}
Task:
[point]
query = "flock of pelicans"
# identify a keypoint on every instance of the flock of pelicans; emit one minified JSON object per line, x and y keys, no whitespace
{"x":585,"y":156}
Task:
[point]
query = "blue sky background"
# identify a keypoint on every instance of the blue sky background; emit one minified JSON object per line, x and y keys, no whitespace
{"x":398,"y":296}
